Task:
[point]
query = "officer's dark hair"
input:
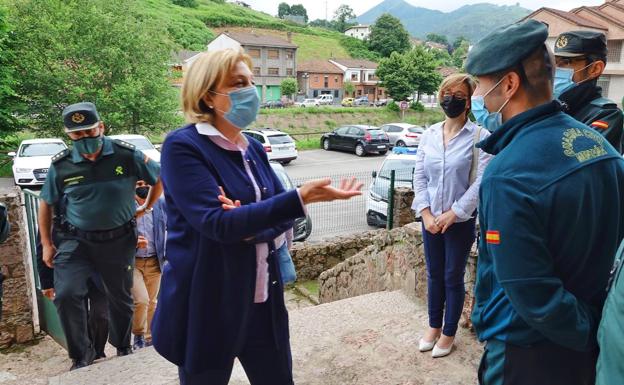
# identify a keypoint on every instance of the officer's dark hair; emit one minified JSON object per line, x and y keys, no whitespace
{"x":536,"y":73}
{"x":595,"y":57}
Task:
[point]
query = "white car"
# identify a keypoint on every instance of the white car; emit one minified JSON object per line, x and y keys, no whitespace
{"x":279,"y":146}
{"x":141,"y":143}
{"x":403,"y":161}
{"x":309,"y":103}
{"x":403,"y":134}
{"x":32,"y":160}
{"x":325,"y":99}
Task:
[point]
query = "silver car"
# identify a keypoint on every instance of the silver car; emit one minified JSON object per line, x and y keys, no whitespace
{"x":403,"y":134}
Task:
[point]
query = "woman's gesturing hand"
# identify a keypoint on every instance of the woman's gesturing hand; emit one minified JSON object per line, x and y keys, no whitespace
{"x":322,"y":191}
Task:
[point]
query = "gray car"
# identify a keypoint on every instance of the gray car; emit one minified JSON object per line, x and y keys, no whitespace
{"x":403,"y":134}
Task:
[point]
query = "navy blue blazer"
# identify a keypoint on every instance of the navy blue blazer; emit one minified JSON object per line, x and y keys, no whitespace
{"x":208,"y":284}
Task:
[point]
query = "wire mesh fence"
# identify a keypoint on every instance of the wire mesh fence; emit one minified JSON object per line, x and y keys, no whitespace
{"x":339,"y":217}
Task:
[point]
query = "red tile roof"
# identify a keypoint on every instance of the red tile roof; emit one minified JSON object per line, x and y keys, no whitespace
{"x":569,"y":16}
{"x":598,"y":12}
{"x":319,"y":67}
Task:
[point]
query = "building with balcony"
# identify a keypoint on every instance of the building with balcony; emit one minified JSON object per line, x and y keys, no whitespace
{"x":274,"y":59}
{"x":361,"y":73}
{"x":607,"y":18}
{"x":319,"y":77}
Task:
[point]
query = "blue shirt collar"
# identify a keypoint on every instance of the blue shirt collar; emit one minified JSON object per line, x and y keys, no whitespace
{"x":107,"y":149}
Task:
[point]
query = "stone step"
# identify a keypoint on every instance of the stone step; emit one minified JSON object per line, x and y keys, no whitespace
{"x":366,"y":340}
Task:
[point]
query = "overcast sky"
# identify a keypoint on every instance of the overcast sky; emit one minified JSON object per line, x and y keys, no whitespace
{"x":316,"y":8}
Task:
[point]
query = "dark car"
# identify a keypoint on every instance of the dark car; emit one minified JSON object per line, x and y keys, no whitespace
{"x":272,"y":104}
{"x":303,"y":225}
{"x":360,"y":139}
{"x":361,"y":101}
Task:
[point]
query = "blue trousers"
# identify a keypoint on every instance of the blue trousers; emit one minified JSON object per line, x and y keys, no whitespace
{"x":264,"y":364}
{"x":446,"y":256}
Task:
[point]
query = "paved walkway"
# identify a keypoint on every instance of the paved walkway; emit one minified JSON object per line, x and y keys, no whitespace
{"x":366,"y":340}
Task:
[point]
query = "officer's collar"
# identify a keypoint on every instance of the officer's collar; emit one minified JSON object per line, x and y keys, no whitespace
{"x":107,"y":149}
{"x":503,"y":135}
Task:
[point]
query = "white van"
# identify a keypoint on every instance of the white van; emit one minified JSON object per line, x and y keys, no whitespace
{"x":325,"y":99}
{"x":402,"y":160}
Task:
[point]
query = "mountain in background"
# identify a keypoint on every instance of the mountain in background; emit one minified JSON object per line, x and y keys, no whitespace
{"x":471,"y":21}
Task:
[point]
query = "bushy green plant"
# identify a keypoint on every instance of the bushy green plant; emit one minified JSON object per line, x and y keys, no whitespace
{"x":186,"y":3}
{"x":392,"y":106}
{"x":417,"y":106}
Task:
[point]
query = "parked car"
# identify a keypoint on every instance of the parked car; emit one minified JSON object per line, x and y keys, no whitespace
{"x":403,"y":134}
{"x":402,"y":160}
{"x":278,"y":145}
{"x":309,"y":103}
{"x":32,"y":160}
{"x":325,"y":99}
{"x":141,"y":143}
{"x":358,"y":138}
{"x":381,"y":102}
{"x":361,"y":101}
{"x":347,"y":102}
{"x":303,"y":226}
{"x":272,"y":104}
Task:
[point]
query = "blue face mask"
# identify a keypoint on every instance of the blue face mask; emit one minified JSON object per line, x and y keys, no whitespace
{"x":563,"y":81}
{"x":489,"y":120}
{"x":89,"y":145}
{"x":244,"y":106}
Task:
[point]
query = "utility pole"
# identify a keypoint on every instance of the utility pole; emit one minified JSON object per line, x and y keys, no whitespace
{"x":326,"y":10}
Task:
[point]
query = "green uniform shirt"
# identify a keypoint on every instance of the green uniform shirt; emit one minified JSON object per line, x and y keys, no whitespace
{"x":100,"y":194}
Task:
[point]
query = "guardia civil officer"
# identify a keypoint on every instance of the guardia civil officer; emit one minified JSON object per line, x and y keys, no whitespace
{"x":548,"y":238}
{"x":581,"y":57}
{"x":98,"y":177}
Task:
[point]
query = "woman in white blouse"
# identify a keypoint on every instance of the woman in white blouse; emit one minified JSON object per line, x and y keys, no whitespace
{"x":446,"y":185}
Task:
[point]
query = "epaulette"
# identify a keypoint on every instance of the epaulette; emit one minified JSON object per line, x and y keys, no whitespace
{"x":603,"y":102}
{"x":125,"y":144}
{"x":60,"y":155}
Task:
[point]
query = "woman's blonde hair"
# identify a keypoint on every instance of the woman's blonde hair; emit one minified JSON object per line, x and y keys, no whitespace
{"x":455,"y":80}
{"x":206,"y":73}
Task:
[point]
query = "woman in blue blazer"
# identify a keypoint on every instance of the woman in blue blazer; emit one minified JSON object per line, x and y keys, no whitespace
{"x":221,"y":294}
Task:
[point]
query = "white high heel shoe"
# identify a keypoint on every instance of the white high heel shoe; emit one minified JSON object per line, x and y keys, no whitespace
{"x":441,"y":352}
{"x":425,"y":346}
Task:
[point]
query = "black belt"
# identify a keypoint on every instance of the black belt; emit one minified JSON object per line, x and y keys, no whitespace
{"x":102,"y":235}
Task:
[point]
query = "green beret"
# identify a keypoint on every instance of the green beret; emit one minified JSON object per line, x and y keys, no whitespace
{"x":581,"y":43}
{"x":505,"y":47}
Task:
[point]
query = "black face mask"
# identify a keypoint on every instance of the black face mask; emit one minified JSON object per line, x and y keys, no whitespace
{"x":142,"y":191}
{"x":452,"y":106}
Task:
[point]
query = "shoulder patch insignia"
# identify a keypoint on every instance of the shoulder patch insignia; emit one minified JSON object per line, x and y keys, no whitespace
{"x":60,"y":155}
{"x":600,"y":125}
{"x":492,"y":237}
{"x":125,"y":144}
{"x":590,"y":144}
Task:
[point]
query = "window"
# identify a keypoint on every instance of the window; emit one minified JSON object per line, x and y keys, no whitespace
{"x":336,"y":93}
{"x":394,"y":129}
{"x":316,"y":78}
{"x":256,"y":71}
{"x":254,"y":52}
{"x":336,"y":79}
{"x":290,"y":55}
{"x":354,"y":76}
{"x":326,"y":81}
{"x":41,"y":149}
{"x":355,"y":131}
{"x":380,"y":92}
{"x":372,"y":77}
{"x":274,"y":54}
{"x":342,"y":130}
{"x":614,"y":48}
{"x":359,"y":92}
{"x":603,"y":82}
{"x":274,"y":71}
{"x":316,"y":93}
{"x":289,"y":72}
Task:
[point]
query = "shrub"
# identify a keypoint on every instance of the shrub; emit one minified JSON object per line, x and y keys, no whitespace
{"x":417,"y":106}
{"x":392,"y":106}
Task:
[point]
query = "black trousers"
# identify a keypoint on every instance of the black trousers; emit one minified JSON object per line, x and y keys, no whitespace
{"x":544,"y":363}
{"x":77,"y":260}
{"x":264,"y":364}
{"x":97,"y":315}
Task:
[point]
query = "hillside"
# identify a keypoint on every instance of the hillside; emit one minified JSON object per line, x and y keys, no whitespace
{"x":472,"y":21}
{"x":193,"y":28}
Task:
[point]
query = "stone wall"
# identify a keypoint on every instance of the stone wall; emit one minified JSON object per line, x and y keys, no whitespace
{"x":17,"y":309}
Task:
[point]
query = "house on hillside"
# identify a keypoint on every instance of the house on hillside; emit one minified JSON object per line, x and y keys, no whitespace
{"x":239,"y":3}
{"x":179,"y":63}
{"x":607,"y":18}
{"x":319,"y":77}
{"x":359,"y":31}
{"x":274,"y":58}
{"x":362,"y":74}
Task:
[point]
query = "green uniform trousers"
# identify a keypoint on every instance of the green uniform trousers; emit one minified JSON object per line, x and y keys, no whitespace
{"x":76,"y":260}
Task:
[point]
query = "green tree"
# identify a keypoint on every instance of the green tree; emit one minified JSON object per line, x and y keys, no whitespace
{"x":388,"y":35}
{"x":299,"y":10}
{"x":9,"y":102}
{"x":342,"y":15}
{"x":357,"y":48}
{"x":437,"y":38}
{"x":395,"y":76}
{"x":186,"y":3}
{"x":422,"y":68}
{"x":459,"y":41}
{"x":289,"y":87}
{"x":93,"y":50}
{"x":283,"y":9}
{"x":460,"y":53}
{"x":348,"y":87}
{"x":441,"y":56}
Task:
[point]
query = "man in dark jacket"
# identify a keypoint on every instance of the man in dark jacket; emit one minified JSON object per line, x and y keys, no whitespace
{"x":581,"y":57}
{"x":548,"y":238}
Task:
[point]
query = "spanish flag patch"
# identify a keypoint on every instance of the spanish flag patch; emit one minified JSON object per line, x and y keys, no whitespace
{"x":492,"y":237}
{"x":600,"y":125}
